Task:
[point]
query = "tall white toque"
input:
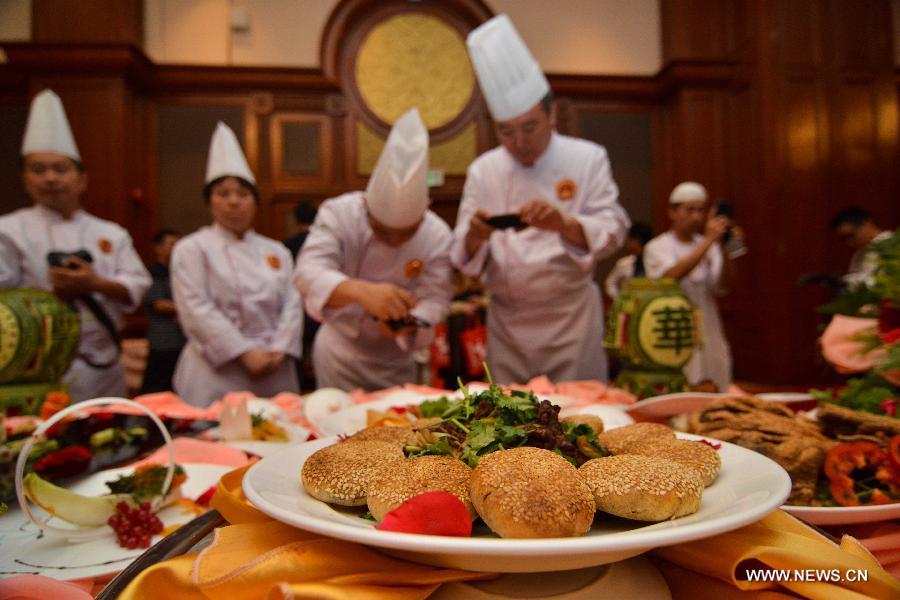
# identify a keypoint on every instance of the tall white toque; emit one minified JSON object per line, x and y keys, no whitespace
{"x":397,"y":194}
{"x":48,"y":129}
{"x":226,"y":159}
{"x":511,"y":80}
{"x":687,"y":191}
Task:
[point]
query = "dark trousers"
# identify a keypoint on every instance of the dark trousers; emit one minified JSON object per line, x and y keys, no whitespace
{"x":159,"y":371}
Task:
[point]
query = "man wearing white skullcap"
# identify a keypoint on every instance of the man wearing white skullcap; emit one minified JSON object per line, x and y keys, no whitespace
{"x":375,"y":270}
{"x":546,"y":314}
{"x":233,"y":291}
{"x":691,"y":252}
{"x":103,"y":289}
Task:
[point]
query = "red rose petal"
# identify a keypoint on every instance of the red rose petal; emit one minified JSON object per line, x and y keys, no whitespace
{"x":205,"y":497}
{"x":714,"y":446}
{"x":431,"y":513}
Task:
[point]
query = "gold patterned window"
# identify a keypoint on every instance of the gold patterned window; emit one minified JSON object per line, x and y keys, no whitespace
{"x":416,"y":59}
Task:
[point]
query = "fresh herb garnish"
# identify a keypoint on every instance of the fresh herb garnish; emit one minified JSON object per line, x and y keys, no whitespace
{"x":434,"y":408}
{"x":493,"y":419}
{"x":146,"y":482}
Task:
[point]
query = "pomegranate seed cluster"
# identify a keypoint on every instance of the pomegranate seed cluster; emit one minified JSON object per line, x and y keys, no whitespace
{"x":135,"y":525}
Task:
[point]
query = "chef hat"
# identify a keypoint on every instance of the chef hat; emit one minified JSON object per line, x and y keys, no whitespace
{"x":48,"y":129}
{"x":397,"y":194}
{"x":687,"y":191}
{"x":225,"y":156}
{"x":511,"y":80}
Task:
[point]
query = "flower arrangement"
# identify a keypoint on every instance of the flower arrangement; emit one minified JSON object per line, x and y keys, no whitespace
{"x":867,"y":340}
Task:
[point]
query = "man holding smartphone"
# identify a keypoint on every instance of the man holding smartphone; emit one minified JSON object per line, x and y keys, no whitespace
{"x":545,"y":315}
{"x":56,"y":230}
{"x":692,"y":252}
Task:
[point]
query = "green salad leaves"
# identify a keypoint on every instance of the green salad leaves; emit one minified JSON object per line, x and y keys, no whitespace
{"x":494,"y":419}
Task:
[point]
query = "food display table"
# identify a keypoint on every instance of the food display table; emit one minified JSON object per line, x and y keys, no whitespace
{"x":240,"y":551}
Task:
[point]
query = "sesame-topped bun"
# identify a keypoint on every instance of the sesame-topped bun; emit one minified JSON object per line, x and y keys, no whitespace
{"x":595,"y":422}
{"x":622,"y":439}
{"x":342,"y":473}
{"x":416,"y":476}
{"x":531,"y":493}
{"x":694,"y":455}
{"x":396,"y":434}
{"x":644,"y":488}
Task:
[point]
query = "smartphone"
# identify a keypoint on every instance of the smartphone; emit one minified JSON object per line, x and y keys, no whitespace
{"x":506,"y":221}
{"x":58,"y":259}
{"x":398,"y":324}
{"x":733,"y":247}
{"x":724,"y":209}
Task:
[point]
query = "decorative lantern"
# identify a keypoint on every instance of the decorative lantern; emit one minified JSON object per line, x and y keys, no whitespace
{"x":652,"y":329}
{"x":39,"y":336}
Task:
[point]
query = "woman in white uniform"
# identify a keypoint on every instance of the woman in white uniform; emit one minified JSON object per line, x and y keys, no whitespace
{"x":233,"y":292}
{"x":373,"y":258}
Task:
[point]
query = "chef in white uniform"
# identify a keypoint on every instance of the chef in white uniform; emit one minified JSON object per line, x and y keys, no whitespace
{"x":545,"y":314}
{"x":116,"y":279}
{"x":233,"y":292}
{"x":374,"y":257}
{"x":691,"y":252}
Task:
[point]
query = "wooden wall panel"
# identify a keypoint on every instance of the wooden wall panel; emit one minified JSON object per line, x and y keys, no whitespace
{"x":810,"y":127}
{"x":80,"y":21}
{"x":699,"y":29}
{"x":799,"y":31}
{"x":13,"y":113}
{"x":183,"y":129}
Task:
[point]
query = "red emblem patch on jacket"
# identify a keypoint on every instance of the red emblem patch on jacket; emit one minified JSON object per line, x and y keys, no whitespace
{"x":105,"y":246}
{"x":565,"y":189}
{"x":274,"y":261}
{"x":413,"y":268}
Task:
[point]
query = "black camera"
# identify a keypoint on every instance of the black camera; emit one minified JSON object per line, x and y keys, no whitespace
{"x":59,"y":259}
{"x":733,"y":246}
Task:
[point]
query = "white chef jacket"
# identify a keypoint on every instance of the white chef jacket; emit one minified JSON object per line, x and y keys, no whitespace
{"x":545,"y":314}
{"x":28,"y":234}
{"x":233,"y":295}
{"x":621,"y":272}
{"x":712,"y":359}
{"x":350,"y":351}
{"x":864,"y":263}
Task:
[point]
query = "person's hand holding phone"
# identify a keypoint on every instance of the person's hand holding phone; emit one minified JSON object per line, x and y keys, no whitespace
{"x":542,"y":215}
{"x":74,"y":278}
{"x":386,"y":301}
{"x":716,"y":227}
{"x":479,"y":231}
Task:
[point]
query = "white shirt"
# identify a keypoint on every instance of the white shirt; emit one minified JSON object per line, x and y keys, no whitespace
{"x":535,"y":278}
{"x":712,"y":360}
{"x":350,"y":350}
{"x":621,"y":272}
{"x":864,"y":263}
{"x":28,"y":234}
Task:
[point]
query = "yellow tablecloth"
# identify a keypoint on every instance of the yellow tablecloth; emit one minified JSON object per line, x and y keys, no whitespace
{"x":257,"y":557}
